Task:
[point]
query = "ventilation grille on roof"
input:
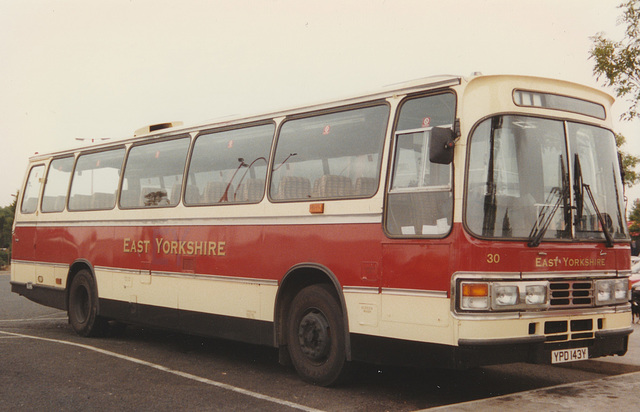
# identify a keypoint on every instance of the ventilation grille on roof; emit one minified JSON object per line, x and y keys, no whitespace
{"x":155,"y":127}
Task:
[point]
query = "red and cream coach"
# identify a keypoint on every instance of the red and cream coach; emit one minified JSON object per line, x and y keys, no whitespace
{"x":449,"y":222}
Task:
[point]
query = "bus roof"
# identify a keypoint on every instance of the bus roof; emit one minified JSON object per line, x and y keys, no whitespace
{"x":416,"y":85}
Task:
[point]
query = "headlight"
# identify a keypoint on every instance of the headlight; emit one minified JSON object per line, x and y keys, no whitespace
{"x":503,"y":296}
{"x":535,"y":295}
{"x":603,"y":292}
{"x":611,"y":291}
{"x":621,"y":291}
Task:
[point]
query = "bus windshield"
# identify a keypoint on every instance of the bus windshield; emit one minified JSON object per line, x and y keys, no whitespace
{"x":542,"y":179}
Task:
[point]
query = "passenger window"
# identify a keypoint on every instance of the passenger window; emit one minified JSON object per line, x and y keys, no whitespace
{"x":229,"y":166}
{"x":153,"y":174}
{"x":95,"y":180}
{"x":32,"y":190}
{"x":420,"y":199}
{"x":57,"y":185}
{"x":330,"y":156}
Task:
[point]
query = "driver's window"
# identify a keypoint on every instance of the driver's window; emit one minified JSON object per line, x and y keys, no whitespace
{"x":412,"y":168}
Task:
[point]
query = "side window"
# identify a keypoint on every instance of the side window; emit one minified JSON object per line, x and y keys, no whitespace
{"x":229,"y":166}
{"x":420,"y":199}
{"x":32,"y":190}
{"x":95,"y":180}
{"x":153,"y":174}
{"x":57,"y":185}
{"x":330,"y":156}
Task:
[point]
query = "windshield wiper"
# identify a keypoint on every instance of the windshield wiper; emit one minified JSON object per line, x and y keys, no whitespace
{"x":603,"y":223}
{"x":546,"y":216}
{"x":580,"y":187}
{"x":490,"y":208}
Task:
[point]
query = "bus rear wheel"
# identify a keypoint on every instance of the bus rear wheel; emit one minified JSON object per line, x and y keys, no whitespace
{"x":83,"y":306}
{"x":316,"y":336}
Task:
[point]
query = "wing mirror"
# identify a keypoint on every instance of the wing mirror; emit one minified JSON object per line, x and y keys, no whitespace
{"x":441,"y":145}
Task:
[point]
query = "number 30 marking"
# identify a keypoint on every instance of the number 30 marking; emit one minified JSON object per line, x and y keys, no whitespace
{"x":493,"y":258}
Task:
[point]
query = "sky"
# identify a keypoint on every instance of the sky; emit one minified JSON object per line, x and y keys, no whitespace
{"x":87,"y":69}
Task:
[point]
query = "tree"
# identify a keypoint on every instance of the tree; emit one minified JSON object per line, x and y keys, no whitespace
{"x":6,"y":223}
{"x":634,"y":215}
{"x":629,"y":163}
{"x":618,"y":62}
{"x":634,"y":228}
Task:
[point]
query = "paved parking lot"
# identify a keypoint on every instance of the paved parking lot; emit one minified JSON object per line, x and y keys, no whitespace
{"x":44,"y":365}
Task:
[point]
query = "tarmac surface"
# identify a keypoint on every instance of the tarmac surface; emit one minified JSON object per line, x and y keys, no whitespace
{"x":619,"y":392}
{"x":36,"y":375}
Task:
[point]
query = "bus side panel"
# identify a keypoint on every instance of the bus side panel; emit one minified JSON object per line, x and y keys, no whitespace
{"x":352,"y":252}
{"x":417,"y":265}
{"x":23,"y":267}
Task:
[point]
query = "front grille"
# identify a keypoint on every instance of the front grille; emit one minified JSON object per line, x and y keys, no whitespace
{"x":563,"y":330}
{"x":571,"y":294}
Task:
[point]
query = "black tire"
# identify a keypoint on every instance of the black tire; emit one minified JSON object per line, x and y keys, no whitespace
{"x":83,"y":306}
{"x":316,"y":336}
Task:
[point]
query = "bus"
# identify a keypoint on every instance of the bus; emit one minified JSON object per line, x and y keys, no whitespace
{"x":445,"y":222}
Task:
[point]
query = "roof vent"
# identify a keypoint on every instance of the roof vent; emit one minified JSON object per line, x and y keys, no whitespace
{"x":155,"y":127}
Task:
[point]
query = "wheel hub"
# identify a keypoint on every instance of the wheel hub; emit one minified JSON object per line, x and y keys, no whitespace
{"x":314,"y":336}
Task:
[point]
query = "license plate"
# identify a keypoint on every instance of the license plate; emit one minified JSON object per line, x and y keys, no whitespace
{"x":569,"y":355}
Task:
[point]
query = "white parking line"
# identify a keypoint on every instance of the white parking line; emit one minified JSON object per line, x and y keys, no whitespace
{"x":50,"y":316}
{"x":169,"y":370}
{"x":32,"y":319}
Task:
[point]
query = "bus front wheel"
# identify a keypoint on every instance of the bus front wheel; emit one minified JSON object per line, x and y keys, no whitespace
{"x":316,"y":336}
{"x":83,"y":306}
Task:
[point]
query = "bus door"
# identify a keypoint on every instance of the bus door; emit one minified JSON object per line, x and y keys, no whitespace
{"x":418,"y":220}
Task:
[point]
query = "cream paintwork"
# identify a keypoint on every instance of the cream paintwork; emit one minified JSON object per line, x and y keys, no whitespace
{"x":23,"y":272}
{"x":241,"y":300}
{"x":415,"y":318}
{"x":206,"y":294}
{"x":518,"y":328}
{"x":429,"y":319}
{"x":47,"y":274}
